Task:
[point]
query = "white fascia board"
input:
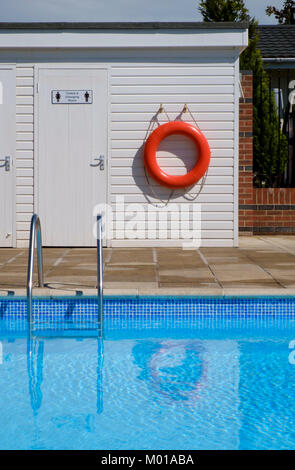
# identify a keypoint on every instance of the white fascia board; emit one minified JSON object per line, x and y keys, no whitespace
{"x":124,"y":39}
{"x":278,"y":59}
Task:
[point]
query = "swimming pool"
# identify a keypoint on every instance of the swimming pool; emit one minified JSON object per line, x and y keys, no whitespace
{"x":168,"y":373}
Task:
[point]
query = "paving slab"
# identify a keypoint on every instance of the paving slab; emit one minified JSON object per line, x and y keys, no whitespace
{"x":131,"y":256}
{"x":261,"y":265}
{"x":186,"y":277}
{"x":176,"y":257}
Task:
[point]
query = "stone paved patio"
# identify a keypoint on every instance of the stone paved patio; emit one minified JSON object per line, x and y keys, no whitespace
{"x":261,"y":265}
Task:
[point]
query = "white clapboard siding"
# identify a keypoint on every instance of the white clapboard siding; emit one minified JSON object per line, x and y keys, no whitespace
{"x":153,"y":215}
{"x":208,"y":208}
{"x":25,"y":162}
{"x":23,"y":237}
{"x":204,"y":199}
{"x":22,"y":81}
{"x":137,"y":93}
{"x":158,"y":227}
{"x":23,"y":217}
{"x":136,"y":144}
{"x":150,"y":80}
{"x":139,"y":171}
{"x":140,"y":188}
{"x":204,"y":126}
{"x":24,"y":151}
{"x":125,"y":153}
{"x":24,"y":109}
{"x":24,"y":190}
{"x":206,"y":234}
{"x":176,"y":90}
{"x":137,"y":163}
{"x":24,"y":145}
{"x":119,"y":118}
{"x":24,"y":136}
{"x":168,"y":71}
{"x":24,"y":127}
{"x":172,"y":98}
{"x":217,"y":135}
{"x":174,"y":107}
{"x":153,"y":211}
{"x":25,"y":118}
{"x":25,"y":100}
{"x":212,"y":182}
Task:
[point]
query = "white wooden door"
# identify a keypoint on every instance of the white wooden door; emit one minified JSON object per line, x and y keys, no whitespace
{"x":72,"y":138}
{"x":7,"y":154}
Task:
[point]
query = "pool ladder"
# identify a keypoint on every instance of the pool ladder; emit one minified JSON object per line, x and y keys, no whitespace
{"x":35,"y":234}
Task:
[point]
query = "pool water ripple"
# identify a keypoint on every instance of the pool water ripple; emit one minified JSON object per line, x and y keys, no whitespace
{"x":200,"y":388}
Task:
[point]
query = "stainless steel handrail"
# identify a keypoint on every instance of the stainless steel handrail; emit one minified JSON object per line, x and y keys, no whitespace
{"x":99,"y":268}
{"x":35,"y":232}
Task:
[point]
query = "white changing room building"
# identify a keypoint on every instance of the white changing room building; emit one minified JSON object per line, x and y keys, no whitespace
{"x":77,"y":103}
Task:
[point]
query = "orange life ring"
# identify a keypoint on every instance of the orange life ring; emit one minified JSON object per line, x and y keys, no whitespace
{"x":150,"y":157}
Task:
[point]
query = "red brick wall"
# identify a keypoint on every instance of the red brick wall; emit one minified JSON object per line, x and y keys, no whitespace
{"x":246,"y":156}
{"x":274,"y":210}
{"x":261,"y":210}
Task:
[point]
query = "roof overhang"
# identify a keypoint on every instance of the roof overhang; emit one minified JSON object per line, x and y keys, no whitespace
{"x":278,"y":59}
{"x":280,"y":63}
{"x":123,"y":35}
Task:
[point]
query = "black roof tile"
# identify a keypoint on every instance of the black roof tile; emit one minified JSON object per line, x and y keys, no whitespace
{"x":277,"y":41}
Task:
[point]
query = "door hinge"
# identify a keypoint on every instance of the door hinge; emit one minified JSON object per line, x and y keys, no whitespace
{"x":37,"y":88}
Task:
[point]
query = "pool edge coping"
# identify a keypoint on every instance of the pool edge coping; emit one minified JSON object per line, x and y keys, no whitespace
{"x":11,"y":298}
{"x":147,"y":292}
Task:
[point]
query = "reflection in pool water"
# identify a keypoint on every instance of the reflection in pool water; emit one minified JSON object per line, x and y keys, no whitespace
{"x":35,"y":359}
{"x":205,"y":389}
{"x":174,"y":369}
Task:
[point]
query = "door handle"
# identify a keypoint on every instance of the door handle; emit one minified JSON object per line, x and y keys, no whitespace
{"x":100,"y":162}
{"x":6,"y":163}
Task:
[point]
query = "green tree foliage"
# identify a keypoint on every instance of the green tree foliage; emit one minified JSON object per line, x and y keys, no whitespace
{"x":270,"y":146}
{"x":223,"y":10}
{"x":285,"y":15}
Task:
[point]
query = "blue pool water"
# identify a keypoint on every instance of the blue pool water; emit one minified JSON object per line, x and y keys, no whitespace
{"x":167,"y":373}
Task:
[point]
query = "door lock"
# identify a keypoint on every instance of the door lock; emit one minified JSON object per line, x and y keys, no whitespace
{"x":6,"y":163}
{"x":100,"y":162}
